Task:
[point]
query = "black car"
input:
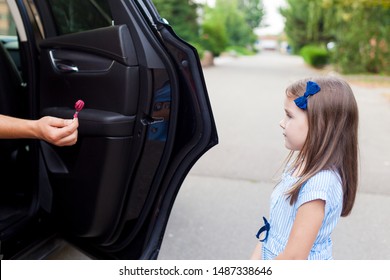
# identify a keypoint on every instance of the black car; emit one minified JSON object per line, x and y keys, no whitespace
{"x":146,"y":121}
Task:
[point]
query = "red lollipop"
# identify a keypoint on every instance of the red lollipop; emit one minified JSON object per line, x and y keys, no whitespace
{"x":79,"y":105}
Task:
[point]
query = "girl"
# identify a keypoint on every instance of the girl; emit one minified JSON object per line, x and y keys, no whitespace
{"x":319,"y":183}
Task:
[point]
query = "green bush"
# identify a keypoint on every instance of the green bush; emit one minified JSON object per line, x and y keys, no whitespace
{"x":315,"y":56}
{"x":214,"y":37}
{"x":199,"y":48}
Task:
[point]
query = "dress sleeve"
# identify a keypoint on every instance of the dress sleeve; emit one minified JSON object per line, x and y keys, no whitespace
{"x":324,"y":185}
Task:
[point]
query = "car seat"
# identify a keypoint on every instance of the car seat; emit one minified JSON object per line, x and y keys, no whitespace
{"x":14,"y":198}
{"x":11,"y":86}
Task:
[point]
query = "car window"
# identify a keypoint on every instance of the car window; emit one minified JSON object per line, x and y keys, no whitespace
{"x":7,"y":25}
{"x":73,"y":16}
{"x":8,"y":35}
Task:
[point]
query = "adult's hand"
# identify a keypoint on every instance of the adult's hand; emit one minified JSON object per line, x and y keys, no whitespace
{"x":57,"y":131}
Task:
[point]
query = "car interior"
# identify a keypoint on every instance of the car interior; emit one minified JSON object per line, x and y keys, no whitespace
{"x":23,"y":192}
{"x":17,"y":190}
{"x":87,"y":188}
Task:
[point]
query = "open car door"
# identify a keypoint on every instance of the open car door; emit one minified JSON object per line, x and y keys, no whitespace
{"x":146,"y":121}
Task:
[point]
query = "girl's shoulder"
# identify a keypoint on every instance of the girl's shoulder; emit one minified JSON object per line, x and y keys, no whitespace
{"x":325,"y":185}
{"x":325,"y":177}
{"x":324,"y":181}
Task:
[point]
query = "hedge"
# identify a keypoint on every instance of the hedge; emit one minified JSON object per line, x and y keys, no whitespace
{"x":315,"y":56}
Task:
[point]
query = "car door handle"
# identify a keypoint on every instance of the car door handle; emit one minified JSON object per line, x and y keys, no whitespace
{"x":64,"y":66}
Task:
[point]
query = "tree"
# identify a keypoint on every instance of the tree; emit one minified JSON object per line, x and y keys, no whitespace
{"x":238,"y":17}
{"x":361,"y":29}
{"x":182,"y":16}
{"x":306,"y":23}
{"x":253,"y":11}
{"x":238,"y":30}
{"x":214,"y":34}
{"x":229,"y":23}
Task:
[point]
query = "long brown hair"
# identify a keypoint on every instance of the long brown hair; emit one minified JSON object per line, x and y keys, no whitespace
{"x":332,"y":139}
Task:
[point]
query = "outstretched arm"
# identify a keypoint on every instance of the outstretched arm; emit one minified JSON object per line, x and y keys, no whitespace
{"x":304,"y":232}
{"x":56,"y":131}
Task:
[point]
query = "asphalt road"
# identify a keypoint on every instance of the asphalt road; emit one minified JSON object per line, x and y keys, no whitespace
{"x":219,"y":208}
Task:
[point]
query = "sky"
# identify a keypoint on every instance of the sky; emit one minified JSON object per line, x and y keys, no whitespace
{"x":273,"y":19}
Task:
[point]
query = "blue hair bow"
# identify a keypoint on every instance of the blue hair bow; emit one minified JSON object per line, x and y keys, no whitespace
{"x":311,"y":89}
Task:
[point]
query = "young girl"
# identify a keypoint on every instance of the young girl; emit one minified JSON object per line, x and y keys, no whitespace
{"x":319,"y":181}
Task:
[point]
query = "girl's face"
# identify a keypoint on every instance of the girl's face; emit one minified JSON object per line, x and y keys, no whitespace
{"x":294,"y":124}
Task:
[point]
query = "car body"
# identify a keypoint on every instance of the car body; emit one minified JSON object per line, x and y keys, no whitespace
{"x":147,"y":119}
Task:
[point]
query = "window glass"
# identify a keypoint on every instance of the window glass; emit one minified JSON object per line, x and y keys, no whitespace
{"x":7,"y":25}
{"x":73,"y":16}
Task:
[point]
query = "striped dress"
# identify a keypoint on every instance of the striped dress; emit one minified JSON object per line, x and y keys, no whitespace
{"x":325,"y":185}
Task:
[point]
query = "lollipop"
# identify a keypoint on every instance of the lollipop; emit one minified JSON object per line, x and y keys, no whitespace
{"x":79,"y":105}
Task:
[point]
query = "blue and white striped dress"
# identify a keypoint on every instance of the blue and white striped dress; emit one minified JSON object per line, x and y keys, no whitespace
{"x":325,"y":185}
